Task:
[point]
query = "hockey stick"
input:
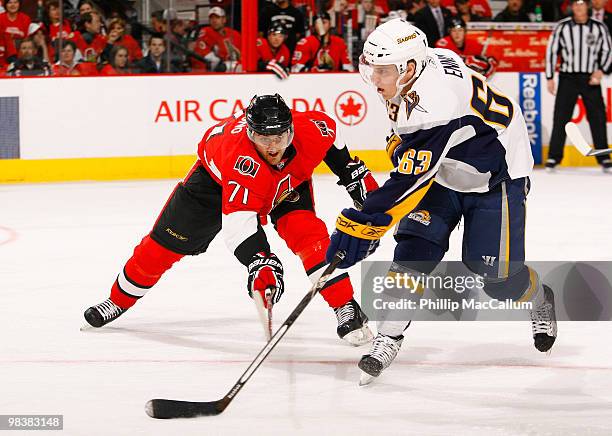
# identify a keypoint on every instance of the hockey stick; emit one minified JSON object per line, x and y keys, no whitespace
{"x":167,"y":409}
{"x":265,"y":315}
{"x":572,"y":131}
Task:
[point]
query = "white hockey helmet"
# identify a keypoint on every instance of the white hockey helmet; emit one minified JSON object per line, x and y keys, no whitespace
{"x":395,"y":42}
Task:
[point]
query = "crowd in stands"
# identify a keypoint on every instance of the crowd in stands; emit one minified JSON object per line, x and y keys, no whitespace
{"x":90,"y":37}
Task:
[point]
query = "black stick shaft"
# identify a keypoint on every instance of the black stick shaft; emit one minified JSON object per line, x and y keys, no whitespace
{"x":159,"y":408}
{"x":267,"y":349}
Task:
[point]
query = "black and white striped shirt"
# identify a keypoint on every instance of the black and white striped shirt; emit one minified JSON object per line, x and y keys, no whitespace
{"x":584,"y":48}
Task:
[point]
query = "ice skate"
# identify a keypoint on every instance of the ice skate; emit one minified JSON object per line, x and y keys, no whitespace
{"x":383,"y":351}
{"x":544,"y":322}
{"x":103,"y":313}
{"x":353,"y":324}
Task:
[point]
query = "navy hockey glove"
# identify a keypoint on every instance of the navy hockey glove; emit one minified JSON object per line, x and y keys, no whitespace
{"x":358,"y":181}
{"x":358,"y":234}
{"x":266,"y":272}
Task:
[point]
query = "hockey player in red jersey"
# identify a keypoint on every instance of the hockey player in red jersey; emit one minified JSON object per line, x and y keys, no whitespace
{"x":323,"y":52}
{"x":470,"y":50}
{"x":252,"y":166}
{"x":272,"y":53}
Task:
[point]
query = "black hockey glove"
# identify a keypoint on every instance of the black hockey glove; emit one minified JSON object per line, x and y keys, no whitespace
{"x":358,"y":181}
{"x":266,"y":272}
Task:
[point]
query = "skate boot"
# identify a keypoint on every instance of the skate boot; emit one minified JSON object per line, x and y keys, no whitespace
{"x":353,"y":324}
{"x":383,"y":351}
{"x":103,"y":313}
{"x":544,"y":322}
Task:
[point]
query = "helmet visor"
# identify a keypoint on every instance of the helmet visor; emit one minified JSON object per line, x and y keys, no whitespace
{"x":378,"y":76}
{"x":272,"y":142}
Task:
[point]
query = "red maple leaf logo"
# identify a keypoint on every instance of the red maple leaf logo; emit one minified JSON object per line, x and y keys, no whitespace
{"x":350,"y":108}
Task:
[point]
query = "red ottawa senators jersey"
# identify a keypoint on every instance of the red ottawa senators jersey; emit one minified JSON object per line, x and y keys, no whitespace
{"x":264,"y":52}
{"x":470,"y":46}
{"x":248,"y":182}
{"x":331,"y":57}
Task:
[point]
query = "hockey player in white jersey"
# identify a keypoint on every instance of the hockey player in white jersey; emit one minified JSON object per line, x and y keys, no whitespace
{"x":460,"y":149}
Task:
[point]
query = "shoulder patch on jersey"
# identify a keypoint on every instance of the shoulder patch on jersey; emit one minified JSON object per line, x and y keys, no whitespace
{"x":247,"y":166}
{"x":412,"y":100}
{"x":322,"y":126}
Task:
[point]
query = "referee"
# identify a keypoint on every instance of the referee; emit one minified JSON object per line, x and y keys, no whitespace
{"x":585,"y":48}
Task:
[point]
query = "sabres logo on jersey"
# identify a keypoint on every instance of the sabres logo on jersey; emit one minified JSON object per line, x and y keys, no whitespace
{"x":284,"y":191}
{"x":421,"y":216}
{"x":247,"y":166}
{"x":412,"y":100}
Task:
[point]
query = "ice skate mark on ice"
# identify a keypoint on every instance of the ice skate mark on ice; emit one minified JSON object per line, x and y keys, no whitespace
{"x":7,"y":235}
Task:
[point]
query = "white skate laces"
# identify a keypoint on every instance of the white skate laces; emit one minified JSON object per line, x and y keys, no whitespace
{"x":108,"y":309}
{"x":385,"y":349}
{"x":543,"y":320}
{"x":345,"y":313}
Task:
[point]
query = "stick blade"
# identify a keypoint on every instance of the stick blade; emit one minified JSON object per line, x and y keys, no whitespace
{"x":599,"y":152}
{"x":170,"y":409}
{"x":573,"y":132}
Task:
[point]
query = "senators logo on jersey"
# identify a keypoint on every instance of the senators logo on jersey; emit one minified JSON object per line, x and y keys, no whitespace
{"x":247,"y":166}
{"x":285,"y":191}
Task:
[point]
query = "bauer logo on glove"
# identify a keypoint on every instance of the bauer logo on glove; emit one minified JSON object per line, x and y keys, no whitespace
{"x":266,"y":272}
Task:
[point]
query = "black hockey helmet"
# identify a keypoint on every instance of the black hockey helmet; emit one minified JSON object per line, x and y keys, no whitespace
{"x":268,"y":115}
{"x":278,"y":28}
{"x":320,"y":16}
{"x":456,"y":23}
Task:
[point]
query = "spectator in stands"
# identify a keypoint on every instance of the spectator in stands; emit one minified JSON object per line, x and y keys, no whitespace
{"x":36,"y":31}
{"x":433,"y":21}
{"x":13,"y":25}
{"x":67,"y":65}
{"x":54,"y":27}
{"x":12,"y":21}
{"x":116,"y":36}
{"x":598,"y":12}
{"x":118,"y":62}
{"x":27,"y":64}
{"x":218,"y":44}
{"x":345,"y":12}
{"x":367,"y":18}
{"x":478,"y":10}
{"x":154,"y":62}
{"x":52,"y":20}
{"x":513,"y":13}
{"x":87,"y":7}
{"x":321,"y":51}
{"x":465,"y":11}
{"x":414,"y":7}
{"x":282,"y":12}
{"x":90,"y":27}
{"x":158,"y":23}
{"x":272,"y":53}
{"x":84,"y":7}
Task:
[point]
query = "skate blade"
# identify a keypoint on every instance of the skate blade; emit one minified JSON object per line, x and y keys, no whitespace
{"x":365,"y":379}
{"x":360,"y":336}
{"x":85,"y":327}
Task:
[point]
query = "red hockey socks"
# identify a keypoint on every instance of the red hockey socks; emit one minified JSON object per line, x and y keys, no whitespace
{"x":143,"y":270}
{"x":310,"y":244}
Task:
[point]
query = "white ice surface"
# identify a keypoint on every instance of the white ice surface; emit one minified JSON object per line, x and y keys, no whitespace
{"x":61,"y":246}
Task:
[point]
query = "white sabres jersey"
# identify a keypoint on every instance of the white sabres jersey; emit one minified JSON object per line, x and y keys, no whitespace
{"x":455,"y":127}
